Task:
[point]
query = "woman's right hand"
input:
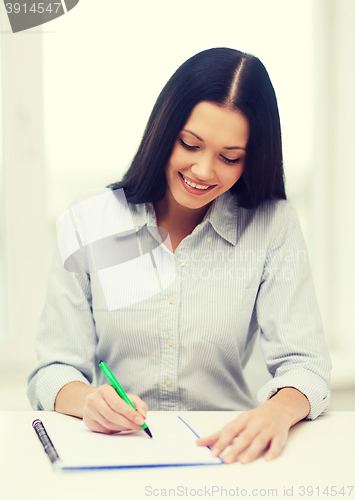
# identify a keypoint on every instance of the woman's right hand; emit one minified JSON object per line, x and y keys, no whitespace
{"x":106,"y":412}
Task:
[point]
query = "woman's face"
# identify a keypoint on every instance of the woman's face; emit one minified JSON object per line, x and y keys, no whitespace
{"x":209,"y":153}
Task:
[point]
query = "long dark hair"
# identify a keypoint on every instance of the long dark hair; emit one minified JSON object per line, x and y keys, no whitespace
{"x":229,"y":78}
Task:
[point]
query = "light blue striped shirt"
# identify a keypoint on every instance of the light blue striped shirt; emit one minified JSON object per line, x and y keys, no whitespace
{"x":178,"y":329}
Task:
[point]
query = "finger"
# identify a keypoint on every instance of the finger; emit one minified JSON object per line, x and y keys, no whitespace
{"x":232,"y":430}
{"x":257,"y":446}
{"x":91,"y":419}
{"x":238,"y":446}
{"x":227,"y":434}
{"x":238,"y":425}
{"x":140,"y":405}
{"x":241,"y":442}
{"x":276,"y":447}
{"x":100,"y":412}
{"x":115,"y":421}
{"x":116,"y":404}
{"x":208,"y":440}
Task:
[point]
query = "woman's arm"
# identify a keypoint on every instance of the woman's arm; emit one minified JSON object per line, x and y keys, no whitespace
{"x":264,"y":427}
{"x":71,"y":399}
{"x":67,"y":338}
{"x":291,"y":331}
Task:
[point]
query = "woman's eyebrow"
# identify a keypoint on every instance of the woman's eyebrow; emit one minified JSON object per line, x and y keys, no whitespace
{"x":189,"y":131}
{"x":199,"y":138}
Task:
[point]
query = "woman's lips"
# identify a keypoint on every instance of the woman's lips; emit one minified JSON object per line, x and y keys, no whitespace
{"x":198,"y":183}
{"x":193,"y":190}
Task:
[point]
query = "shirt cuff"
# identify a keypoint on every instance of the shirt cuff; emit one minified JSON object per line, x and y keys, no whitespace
{"x":50,"y":381}
{"x":311,"y":385}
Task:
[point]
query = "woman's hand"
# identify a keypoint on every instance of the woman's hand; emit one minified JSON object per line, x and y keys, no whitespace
{"x":259,"y":429}
{"x":106,"y":412}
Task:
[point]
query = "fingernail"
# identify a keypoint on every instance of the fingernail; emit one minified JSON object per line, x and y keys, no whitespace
{"x":138,"y":420}
{"x":144,"y":412}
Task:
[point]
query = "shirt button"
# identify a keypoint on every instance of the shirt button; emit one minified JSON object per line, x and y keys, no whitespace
{"x":150,"y":239}
{"x":168,"y":382}
{"x":209,"y":239}
{"x":172,"y":299}
{"x":181,"y":262}
{"x":200,"y":228}
{"x":170,"y":342}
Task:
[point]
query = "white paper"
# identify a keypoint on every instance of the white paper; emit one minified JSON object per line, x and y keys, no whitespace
{"x":173,"y":443}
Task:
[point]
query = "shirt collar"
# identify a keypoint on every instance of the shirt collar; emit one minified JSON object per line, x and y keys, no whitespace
{"x":222,"y":215}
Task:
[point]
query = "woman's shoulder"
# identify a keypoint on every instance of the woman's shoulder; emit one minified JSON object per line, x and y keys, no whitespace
{"x":279,"y":209}
{"x":272,"y":222}
{"x":271,"y":212}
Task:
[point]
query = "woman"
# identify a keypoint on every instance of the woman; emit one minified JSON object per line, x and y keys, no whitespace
{"x":206,"y":186}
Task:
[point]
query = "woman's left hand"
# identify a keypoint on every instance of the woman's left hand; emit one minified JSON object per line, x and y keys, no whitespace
{"x":254,"y":431}
{"x":249,"y":435}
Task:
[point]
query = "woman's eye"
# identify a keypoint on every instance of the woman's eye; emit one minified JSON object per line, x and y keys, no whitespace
{"x":194,"y":148}
{"x":187,"y":146}
{"x":227,"y":160}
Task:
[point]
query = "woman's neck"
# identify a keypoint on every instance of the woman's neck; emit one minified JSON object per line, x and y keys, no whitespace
{"x":177,"y":218}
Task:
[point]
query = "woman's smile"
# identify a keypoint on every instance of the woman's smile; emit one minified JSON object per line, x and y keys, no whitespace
{"x":195,"y":187}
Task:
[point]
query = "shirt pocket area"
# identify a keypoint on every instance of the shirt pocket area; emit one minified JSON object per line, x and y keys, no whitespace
{"x":229,"y":315}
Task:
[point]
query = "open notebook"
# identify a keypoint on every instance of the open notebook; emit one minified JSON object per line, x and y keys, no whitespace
{"x":173,"y":444}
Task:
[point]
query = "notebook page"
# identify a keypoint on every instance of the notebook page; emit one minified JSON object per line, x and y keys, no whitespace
{"x":173,"y":443}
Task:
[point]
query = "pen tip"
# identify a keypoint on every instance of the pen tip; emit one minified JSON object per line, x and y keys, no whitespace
{"x":148,"y":432}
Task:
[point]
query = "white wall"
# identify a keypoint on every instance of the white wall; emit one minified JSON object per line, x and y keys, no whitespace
{"x":24,"y":191}
{"x":334,"y":179}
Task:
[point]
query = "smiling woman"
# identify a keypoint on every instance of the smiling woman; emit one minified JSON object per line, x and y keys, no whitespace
{"x":209,"y":172}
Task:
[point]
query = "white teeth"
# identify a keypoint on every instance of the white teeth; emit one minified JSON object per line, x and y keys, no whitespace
{"x":192,"y":184}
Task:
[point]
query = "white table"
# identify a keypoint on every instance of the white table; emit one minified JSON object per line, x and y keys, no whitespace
{"x":318,"y":454}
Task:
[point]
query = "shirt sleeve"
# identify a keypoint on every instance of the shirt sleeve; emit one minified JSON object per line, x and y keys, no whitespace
{"x":66,"y":338}
{"x":291,"y":332}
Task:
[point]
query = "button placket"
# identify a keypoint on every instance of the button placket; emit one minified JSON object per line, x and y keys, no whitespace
{"x":169,"y":343}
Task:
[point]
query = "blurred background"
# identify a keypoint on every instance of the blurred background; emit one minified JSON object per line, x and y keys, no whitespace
{"x":75,"y":95}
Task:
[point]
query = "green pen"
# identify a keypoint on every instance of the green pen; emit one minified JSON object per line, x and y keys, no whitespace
{"x":113,"y":381}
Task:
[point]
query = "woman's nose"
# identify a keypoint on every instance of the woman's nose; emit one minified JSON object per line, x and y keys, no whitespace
{"x":203,"y":168}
